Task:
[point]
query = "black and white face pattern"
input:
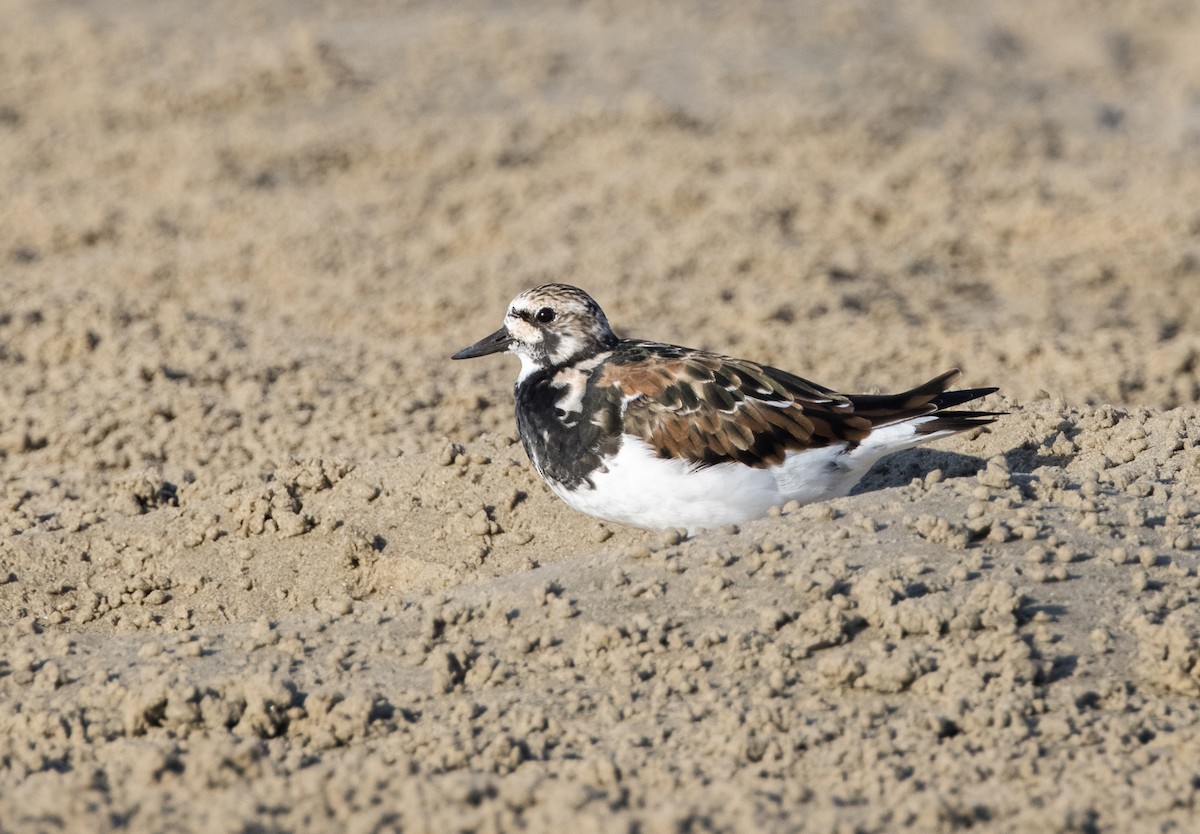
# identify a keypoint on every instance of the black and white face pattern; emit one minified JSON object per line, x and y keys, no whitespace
{"x":554,"y":325}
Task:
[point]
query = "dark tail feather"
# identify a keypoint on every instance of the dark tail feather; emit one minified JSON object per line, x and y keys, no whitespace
{"x":958,"y":420}
{"x":949,"y":399}
{"x":929,"y":398}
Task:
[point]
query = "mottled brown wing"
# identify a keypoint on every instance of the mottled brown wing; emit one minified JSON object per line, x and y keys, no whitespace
{"x":711,"y":409}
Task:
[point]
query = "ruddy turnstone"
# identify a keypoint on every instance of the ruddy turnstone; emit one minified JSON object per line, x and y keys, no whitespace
{"x":660,"y":436}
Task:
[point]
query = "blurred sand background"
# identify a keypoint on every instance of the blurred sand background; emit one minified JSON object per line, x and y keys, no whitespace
{"x":269,"y":562}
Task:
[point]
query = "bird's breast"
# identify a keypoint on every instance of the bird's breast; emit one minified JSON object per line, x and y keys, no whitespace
{"x":565,"y":424}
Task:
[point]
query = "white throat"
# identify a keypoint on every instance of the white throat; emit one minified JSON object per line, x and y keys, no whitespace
{"x":528,"y":366}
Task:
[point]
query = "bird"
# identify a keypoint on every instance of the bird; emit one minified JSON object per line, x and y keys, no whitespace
{"x":660,"y":436}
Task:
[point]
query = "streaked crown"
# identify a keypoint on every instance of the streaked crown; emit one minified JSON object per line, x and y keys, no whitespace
{"x":556,"y":324}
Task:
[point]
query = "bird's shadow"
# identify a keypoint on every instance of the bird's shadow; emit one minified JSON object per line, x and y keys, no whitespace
{"x":900,"y":469}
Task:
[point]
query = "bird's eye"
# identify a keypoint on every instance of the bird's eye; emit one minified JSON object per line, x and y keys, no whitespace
{"x":545,"y":315}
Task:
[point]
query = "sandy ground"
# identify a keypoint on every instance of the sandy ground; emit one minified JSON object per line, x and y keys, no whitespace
{"x":270,"y":562}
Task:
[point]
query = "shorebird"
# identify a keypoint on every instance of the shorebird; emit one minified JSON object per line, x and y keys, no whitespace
{"x":660,"y":436}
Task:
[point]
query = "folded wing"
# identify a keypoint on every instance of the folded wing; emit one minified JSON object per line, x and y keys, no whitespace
{"x":710,"y":409}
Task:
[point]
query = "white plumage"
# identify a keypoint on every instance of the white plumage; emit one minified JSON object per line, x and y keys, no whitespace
{"x":639,"y":488}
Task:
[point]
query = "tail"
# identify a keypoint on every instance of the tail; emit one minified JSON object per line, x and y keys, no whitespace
{"x":925,"y":409}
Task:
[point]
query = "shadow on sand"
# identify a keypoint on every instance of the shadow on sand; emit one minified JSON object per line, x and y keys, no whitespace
{"x":899,"y":469}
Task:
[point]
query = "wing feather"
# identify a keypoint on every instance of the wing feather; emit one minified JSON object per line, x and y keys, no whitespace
{"x":710,"y":409}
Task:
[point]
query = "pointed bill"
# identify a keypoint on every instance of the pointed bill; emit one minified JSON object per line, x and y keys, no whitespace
{"x":495,"y":343}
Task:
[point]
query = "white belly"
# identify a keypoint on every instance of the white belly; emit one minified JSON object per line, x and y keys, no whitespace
{"x":644,"y":490}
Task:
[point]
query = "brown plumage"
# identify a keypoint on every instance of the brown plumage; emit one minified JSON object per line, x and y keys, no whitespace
{"x":710,"y":409}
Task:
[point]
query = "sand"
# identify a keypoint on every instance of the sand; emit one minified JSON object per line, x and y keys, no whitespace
{"x":270,"y":562}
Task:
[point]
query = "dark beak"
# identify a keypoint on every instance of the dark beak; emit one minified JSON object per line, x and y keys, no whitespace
{"x":495,"y":343}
